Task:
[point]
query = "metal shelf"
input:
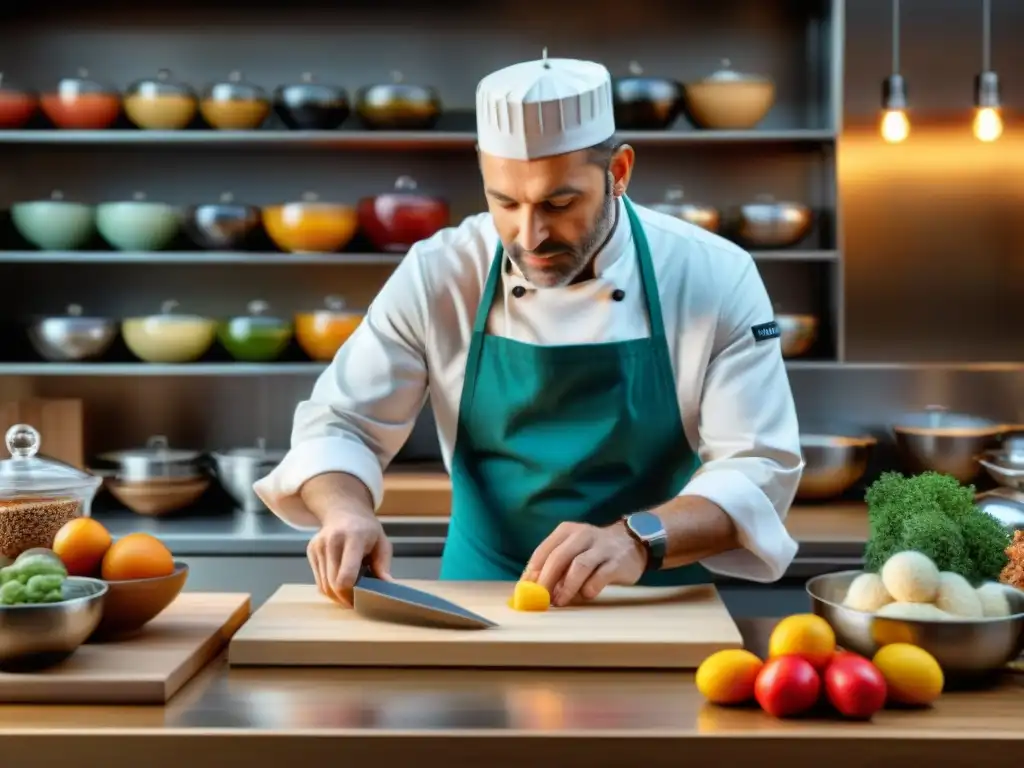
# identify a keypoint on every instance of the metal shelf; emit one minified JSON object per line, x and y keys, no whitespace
{"x":285,"y":259}
{"x":381,"y":139}
{"x":194,"y":257}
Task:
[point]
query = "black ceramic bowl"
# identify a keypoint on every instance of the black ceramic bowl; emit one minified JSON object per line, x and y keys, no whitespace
{"x":309,"y":106}
{"x":646,"y":103}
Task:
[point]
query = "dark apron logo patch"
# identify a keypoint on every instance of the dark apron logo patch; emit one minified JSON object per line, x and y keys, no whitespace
{"x":766,"y":331}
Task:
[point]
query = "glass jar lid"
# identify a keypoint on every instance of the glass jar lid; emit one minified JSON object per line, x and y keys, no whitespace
{"x":82,"y":85}
{"x":728,"y":75}
{"x":335,"y":305}
{"x":259,"y":313}
{"x":235,"y":88}
{"x":258,"y":453}
{"x":161,"y":85}
{"x":157,"y":452}
{"x":310,"y":90}
{"x":28,"y":473}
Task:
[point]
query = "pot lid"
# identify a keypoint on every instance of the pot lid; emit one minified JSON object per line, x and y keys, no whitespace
{"x":939,"y":418}
{"x":728,"y":75}
{"x":335,"y":305}
{"x":28,"y":472}
{"x":235,"y":88}
{"x":258,"y":453}
{"x":407,"y":186}
{"x":161,"y":85}
{"x":398,"y":85}
{"x":82,"y":84}
{"x":11,"y":89}
{"x":75,"y":312}
{"x":56,"y":196}
{"x":157,"y":451}
{"x":310,"y":90}
{"x":167,"y":312}
{"x":139,"y":197}
{"x":227,"y":200}
{"x":312,"y":200}
{"x":258,"y":310}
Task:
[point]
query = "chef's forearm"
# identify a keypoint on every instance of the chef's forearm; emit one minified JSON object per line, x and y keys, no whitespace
{"x":336,"y":493}
{"x":697,"y":529}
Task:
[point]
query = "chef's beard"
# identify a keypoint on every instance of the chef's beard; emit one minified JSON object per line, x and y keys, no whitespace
{"x":567,"y":260}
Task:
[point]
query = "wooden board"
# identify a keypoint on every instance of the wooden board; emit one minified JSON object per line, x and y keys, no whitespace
{"x":148,"y":668}
{"x":624,"y":628}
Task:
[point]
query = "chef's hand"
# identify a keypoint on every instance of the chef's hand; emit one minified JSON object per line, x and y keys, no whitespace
{"x":345,"y":541}
{"x":581,"y":560}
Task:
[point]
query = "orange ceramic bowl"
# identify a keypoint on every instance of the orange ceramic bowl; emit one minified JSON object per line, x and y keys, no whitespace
{"x":321,"y":334}
{"x":310,"y":227}
{"x":132,"y":604}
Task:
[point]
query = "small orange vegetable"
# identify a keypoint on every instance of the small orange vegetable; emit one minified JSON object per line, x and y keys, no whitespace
{"x":530,"y":596}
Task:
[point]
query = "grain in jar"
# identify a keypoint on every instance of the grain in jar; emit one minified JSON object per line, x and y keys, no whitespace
{"x":38,"y":494}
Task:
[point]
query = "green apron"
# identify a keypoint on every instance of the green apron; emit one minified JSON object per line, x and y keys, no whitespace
{"x":552,"y":434}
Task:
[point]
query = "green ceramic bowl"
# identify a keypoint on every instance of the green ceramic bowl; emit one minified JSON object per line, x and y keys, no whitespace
{"x":55,"y":224}
{"x":138,"y":225}
{"x":256,"y":337}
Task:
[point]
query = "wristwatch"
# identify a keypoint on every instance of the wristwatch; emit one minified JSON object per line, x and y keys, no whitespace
{"x":647,"y":528}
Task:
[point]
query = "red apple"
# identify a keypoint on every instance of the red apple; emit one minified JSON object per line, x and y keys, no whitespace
{"x":787,"y":686}
{"x":855,"y":687}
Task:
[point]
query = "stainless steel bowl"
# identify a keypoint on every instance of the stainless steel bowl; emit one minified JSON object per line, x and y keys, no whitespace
{"x":72,"y":337}
{"x":938,"y":440}
{"x":798,"y":333}
{"x":1005,"y":505}
{"x":832,"y":464}
{"x":34,"y":637}
{"x":240,"y":468}
{"x":965,"y":648}
{"x":770,"y":224}
{"x":1005,"y":467}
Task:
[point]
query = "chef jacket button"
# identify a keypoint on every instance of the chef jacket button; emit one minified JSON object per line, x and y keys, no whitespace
{"x":618,"y":294}
{"x":519,"y":291}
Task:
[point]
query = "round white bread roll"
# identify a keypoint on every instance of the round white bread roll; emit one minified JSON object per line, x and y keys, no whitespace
{"x":867,"y":593}
{"x":913,"y":611}
{"x":911,"y":577}
{"x":957,"y":597}
{"x":995,"y":603}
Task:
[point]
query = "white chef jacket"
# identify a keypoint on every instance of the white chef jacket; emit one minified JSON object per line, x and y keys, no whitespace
{"x":734,"y":395}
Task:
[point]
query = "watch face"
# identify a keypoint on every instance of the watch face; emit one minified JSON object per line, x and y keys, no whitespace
{"x":646,"y":525}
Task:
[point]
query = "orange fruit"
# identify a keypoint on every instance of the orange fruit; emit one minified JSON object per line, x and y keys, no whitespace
{"x":805,"y":635}
{"x":530,"y":596}
{"x":81,"y":544}
{"x":728,"y":677}
{"x":137,"y":556}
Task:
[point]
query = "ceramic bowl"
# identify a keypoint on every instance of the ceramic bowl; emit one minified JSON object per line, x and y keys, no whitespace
{"x":55,"y":224}
{"x":169,"y":338}
{"x":310,"y":226}
{"x":138,"y":225}
{"x":132,"y":604}
{"x":321,"y":333}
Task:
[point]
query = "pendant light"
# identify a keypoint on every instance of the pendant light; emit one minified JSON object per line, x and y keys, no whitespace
{"x":988,"y":120}
{"x":895,"y":125}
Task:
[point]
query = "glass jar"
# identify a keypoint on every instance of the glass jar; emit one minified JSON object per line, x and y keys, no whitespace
{"x":257,"y":337}
{"x":79,"y":103}
{"x":160,"y":104}
{"x":17,"y":106}
{"x":38,"y":495}
{"x":235,"y":105}
{"x":322,"y":332}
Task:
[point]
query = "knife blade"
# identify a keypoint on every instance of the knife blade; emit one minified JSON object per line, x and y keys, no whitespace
{"x":389,"y":601}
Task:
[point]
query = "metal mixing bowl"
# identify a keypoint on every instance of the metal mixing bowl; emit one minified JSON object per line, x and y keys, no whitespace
{"x":238,"y":469}
{"x":798,"y":333}
{"x":938,"y":440}
{"x":72,"y":337}
{"x":1005,"y":467}
{"x":37,"y":636}
{"x":770,"y":224}
{"x":832,"y":464}
{"x":966,"y":649}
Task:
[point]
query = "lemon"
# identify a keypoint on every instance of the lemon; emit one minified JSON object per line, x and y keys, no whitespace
{"x":727,"y":677}
{"x":805,"y":635}
{"x":912,"y":675}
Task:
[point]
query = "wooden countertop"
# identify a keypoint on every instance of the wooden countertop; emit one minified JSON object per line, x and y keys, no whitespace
{"x":498,"y":718}
{"x":416,"y":493}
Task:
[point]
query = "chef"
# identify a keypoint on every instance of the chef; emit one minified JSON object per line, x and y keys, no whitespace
{"x":607,"y":381}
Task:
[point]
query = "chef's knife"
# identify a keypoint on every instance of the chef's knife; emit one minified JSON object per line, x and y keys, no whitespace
{"x":389,"y":601}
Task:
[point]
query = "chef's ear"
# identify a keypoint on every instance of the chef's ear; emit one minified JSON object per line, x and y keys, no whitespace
{"x":621,"y":168}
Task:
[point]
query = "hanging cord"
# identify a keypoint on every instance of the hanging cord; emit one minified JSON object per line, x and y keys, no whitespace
{"x":896,"y":37}
{"x":986,"y":37}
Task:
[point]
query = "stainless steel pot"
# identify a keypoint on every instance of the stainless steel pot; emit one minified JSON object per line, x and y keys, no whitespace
{"x":1005,"y":505}
{"x":938,"y":440}
{"x":674,"y":204}
{"x":157,"y":461}
{"x":240,"y":468}
{"x":770,"y":224}
{"x":798,"y":333}
{"x":832,"y":464}
{"x":72,"y":337}
{"x":1005,"y":467}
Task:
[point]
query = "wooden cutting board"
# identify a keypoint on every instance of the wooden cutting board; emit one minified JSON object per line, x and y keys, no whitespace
{"x":148,"y":668}
{"x":633,"y":627}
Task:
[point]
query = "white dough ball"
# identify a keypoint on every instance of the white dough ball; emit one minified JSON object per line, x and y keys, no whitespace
{"x":911,"y":577}
{"x":995,"y":603}
{"x":867,"y":593}
{"x":957,"y":597}
{"x":913,"y":611}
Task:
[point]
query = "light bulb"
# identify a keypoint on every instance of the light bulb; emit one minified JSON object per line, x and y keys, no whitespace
{"x":988,"y":124}
{"x":895,"y":126}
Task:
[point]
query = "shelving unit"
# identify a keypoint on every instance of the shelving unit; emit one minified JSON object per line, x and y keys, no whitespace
{"x":792,"y":156}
